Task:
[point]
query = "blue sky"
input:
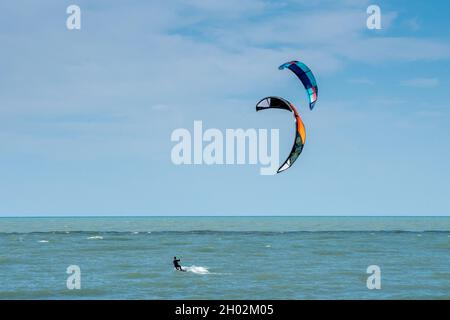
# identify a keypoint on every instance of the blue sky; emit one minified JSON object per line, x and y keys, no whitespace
{"x":86,"y":116}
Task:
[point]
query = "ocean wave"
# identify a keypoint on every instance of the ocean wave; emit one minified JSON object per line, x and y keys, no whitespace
{"x":226,"y":232}
{"x":95,"y":238}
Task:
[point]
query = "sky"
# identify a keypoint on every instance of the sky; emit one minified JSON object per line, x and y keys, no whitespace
{"x":86,"y":115}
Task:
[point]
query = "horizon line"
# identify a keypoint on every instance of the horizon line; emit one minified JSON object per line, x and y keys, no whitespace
{"x":226,"y":216}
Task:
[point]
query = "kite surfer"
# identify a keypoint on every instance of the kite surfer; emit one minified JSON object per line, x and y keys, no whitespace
{"x":176,"y":264}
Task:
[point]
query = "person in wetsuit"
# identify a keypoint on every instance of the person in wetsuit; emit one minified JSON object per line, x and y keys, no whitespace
{"x":176,"y":264}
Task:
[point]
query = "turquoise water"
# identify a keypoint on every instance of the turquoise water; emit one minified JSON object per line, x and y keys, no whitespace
{"x":226,"y":257}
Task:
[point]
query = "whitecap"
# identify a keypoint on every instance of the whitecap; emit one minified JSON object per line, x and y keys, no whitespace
{"x":95,"y":238}
{"x":43,"y":241}
{"x":196,"y":269}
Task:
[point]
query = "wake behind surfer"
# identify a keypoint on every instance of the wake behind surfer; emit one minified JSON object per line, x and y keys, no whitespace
{"x":176,"y":264}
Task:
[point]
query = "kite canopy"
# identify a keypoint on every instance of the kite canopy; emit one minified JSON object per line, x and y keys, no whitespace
{"x":300,"y":133}
{"x":306,"y":77}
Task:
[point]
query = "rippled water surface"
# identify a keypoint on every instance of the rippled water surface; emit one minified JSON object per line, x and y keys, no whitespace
{"x":225,"y":257}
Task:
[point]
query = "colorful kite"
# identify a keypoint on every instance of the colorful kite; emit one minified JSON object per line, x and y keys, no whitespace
{"x":300,"y":133}
{"x":306,"y":77}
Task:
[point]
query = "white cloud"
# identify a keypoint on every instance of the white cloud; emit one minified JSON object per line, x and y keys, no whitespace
{"x":421,"y":82}
{"x":184,"y":58}
{"x":363,"y":81}
{"x":413,"y":24}
{"x":393,"y":49}
{"x":434,"y":114}
{"x":160,"y":107}
{"x":227,"y":8}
